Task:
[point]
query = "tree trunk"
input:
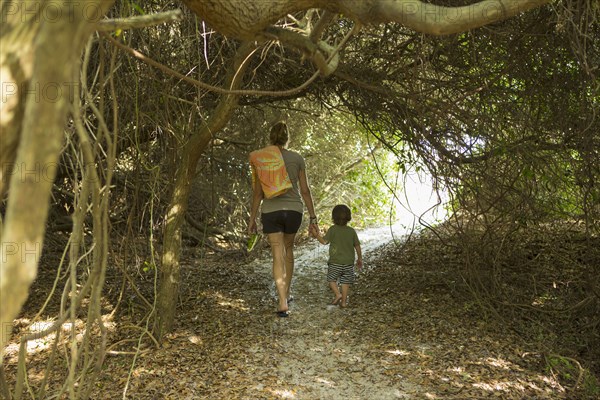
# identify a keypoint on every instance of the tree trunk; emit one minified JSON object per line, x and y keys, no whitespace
{"x":178,"y":205}
{"x":247,"y":20}
{"x":40,"y":47}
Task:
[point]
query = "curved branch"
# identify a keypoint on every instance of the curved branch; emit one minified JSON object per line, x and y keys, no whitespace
{"x":247,"y":20}
{"x":141,"y":21}
{"x":321,"y":25}
{"x":440,"y":20}
{"x":311,"y":50}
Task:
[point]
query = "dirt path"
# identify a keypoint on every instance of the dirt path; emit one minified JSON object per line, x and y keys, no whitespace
{"x":320,"y":350}
{"x":405,"y":335}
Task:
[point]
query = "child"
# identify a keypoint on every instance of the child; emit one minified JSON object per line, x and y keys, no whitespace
{"x":343,"y":241}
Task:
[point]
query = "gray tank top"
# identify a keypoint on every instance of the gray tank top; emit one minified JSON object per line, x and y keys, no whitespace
{"x":290,"y":200}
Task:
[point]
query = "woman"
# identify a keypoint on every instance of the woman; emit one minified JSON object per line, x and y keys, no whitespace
{"x":281,"y":216}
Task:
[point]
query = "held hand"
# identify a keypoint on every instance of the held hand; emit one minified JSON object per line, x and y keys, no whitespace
{"x":313,"y":230}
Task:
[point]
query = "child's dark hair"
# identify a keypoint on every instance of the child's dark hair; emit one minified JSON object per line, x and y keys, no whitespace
{"x":279,"y":134}
{"x":341,"y":214}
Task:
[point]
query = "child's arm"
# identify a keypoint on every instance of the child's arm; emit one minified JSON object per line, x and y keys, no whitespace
{"x":359,"y":261}
{"x":316,"y":233}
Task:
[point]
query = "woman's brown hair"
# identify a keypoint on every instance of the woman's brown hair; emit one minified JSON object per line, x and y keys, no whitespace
{"x":279,"y":134}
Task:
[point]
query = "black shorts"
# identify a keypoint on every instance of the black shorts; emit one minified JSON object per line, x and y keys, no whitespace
{"x":285,"y":221}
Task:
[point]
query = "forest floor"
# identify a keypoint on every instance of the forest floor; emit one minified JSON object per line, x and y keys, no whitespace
{"x":406,"y":334}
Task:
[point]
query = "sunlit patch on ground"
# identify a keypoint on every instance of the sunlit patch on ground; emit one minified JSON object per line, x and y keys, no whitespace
{"x":499,"y":363}
{"x":283,"y":394}
{"x":550,"y":382}
{"x":195,"y":339}
{"x":398,"y":352}
{"x":325,"y":382}
{"x":40,"y":340}
{"x":227,"y":302}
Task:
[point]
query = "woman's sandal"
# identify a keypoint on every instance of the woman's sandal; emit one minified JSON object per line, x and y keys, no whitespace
{"x":336,"y":301}
{"x":282,"y":314}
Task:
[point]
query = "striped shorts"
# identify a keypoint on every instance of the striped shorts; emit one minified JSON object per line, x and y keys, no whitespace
{"x":344,"y":274}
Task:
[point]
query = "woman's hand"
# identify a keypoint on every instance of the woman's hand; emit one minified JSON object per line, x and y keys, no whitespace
{"x":313,"y":229}
{"x":252,"y":226}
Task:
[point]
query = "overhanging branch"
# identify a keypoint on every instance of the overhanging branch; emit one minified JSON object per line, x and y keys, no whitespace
{"x":141,"y":21}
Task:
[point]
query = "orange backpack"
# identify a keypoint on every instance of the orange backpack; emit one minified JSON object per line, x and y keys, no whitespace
{"x":270,"y":170}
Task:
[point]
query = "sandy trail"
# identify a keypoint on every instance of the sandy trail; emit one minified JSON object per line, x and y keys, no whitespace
{"x":319,"y":349}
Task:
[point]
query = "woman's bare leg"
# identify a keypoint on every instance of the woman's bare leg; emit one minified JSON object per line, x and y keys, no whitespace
{"x":279,"y":268}
{"x":288,"y":239}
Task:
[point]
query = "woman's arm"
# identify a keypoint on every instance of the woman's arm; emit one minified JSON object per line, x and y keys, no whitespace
{"x":308,"y":200}
{"x":257,"y":196}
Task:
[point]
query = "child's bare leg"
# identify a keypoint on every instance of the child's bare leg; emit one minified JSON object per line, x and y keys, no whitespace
{"x":345,"y":290}
{"x":338,"y":296}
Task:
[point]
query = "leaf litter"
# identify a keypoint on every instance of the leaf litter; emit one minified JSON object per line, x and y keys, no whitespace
{"x":404,"y":335}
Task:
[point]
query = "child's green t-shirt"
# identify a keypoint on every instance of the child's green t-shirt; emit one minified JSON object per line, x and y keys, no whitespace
{"x":341,"y":244}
